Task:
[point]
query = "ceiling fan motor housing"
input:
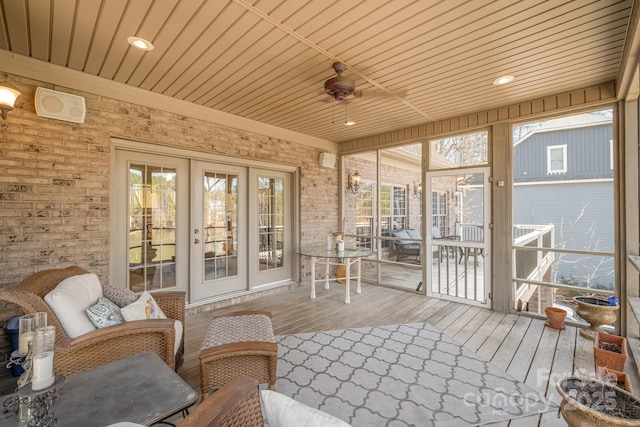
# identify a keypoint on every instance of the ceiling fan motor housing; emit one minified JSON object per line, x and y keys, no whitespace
{"x":339,"y":87}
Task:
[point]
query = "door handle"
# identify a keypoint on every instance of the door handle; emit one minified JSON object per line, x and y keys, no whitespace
{"x":196,"y":241}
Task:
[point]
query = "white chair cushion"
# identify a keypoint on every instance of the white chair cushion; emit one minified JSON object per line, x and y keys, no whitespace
{"x":414,"y":234}
{"x":125,"y":424}
{"x":177,"y":325}
{"x":282,"y":411}
{"x":70,"y":300}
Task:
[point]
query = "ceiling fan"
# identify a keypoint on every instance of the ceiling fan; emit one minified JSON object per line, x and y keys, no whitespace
{"x":341,"y":88}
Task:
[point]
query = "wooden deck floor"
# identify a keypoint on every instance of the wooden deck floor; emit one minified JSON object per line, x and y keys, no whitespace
{"x":521,"y":346}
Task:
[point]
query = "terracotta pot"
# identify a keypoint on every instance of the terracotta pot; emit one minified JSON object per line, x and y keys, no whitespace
{"x":555,"y":317}
{"x":607,"y":358}
{"x":617,"y":378}
{"x":577,"y":414}
{"x":597,"y":312}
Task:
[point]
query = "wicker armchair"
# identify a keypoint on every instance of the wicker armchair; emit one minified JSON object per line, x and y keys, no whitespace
{"x":236,"y":404}
{"x":104,"y":345}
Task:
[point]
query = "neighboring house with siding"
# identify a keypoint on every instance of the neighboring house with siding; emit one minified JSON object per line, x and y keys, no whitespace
{"x":563,"y":175}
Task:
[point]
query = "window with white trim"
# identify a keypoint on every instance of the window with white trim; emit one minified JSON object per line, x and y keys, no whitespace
{"x":557,"y":159}
{"x":440,"y":211}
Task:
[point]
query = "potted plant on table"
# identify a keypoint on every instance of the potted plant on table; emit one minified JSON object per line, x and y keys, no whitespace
{"x":591,"y":402}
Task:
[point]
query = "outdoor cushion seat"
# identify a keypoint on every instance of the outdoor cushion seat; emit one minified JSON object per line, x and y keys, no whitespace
{"x":407,"y":250}
{"x":236,"y":344}
{"x":90,"y":348}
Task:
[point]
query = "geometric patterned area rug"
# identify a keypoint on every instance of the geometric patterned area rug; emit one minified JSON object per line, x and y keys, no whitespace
{"x":400,"y":375}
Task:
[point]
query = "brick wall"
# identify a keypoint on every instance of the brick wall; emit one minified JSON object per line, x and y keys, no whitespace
{"x":54,"y":178}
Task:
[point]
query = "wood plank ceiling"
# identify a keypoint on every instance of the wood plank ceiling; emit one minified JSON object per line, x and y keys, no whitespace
{"x":267,"y":60}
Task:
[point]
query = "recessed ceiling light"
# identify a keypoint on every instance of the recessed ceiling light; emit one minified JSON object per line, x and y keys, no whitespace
{"x":349,"y":123}
{"x":503,"y":80}
{"x":140,"y":43}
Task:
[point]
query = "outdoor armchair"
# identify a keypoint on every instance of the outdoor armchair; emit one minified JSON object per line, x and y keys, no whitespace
{"x":103,"y":345}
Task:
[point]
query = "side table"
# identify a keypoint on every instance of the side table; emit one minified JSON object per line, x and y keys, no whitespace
{"x":140,"y":389}
{"x":328,"y":257}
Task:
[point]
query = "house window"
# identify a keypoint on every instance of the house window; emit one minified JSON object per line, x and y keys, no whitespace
{"x":393,"y":208}
{"x":556,"y":159}
{"x":364,"y":214}
{"x":439,"y":211}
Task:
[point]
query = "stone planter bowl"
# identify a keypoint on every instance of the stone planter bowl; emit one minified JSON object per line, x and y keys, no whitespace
{"x":577,"y":414}
{"x":597,"y":312}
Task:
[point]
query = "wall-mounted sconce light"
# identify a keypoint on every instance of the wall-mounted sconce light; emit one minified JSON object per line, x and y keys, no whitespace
{"x":417,"y":190}
{"x":354,"y":183}
{"x":8,"y":95}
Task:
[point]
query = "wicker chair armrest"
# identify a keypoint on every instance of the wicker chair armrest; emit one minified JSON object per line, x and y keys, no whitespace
{"x":237,"y":403}
{"x":116,"y":342}
{"x":245,"y":313}
{"x":238,"y":348}
{"x":172,"y":304}
{"x":127,"y":328}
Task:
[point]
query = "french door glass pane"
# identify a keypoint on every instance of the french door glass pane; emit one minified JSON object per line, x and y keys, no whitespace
{"x":270,"y":222}
{"x":220,"y":217}
{"x":152,"y":233}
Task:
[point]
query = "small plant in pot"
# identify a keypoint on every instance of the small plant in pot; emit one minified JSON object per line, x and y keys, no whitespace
{"x":591,"y":402}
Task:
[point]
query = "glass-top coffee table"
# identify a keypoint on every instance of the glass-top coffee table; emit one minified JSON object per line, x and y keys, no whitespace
{"x":328,"y":257}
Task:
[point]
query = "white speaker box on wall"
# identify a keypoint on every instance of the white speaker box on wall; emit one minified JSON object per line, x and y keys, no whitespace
{"x":327,"y":160}
{"x":59,"y":105}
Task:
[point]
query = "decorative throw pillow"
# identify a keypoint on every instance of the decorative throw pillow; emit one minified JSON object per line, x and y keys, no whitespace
{"x":69,"y":302}
{"x":144,"y":308}
{"x":104,"y":313}
{"x":282,"y":411}
{"x":122,"y":297}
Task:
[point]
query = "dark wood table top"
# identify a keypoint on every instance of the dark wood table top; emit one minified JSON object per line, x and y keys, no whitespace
{"x":140,"y":389}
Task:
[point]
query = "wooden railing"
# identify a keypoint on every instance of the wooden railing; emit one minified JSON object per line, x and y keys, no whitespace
{"x":531,"y":266}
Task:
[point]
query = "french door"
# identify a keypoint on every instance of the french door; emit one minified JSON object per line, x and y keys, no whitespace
{"x":207,"y":227}
{"x":271,"y":227}
{"x":218,"y":229}
{"x":150,"y":214}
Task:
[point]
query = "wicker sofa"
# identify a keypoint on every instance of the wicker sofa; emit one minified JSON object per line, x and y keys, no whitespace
{"x":104,"y":345}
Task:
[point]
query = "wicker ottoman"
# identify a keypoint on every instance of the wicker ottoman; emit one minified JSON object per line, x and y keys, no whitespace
{"x":237,"y":344}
